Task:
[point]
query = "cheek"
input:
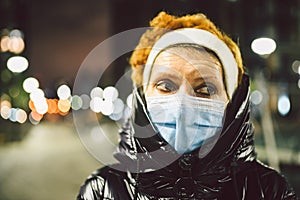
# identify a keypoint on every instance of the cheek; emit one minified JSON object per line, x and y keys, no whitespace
{"x":150,"y":91}
{"x":223,"y":96}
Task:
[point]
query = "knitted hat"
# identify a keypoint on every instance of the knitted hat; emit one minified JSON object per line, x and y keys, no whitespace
{"x":185,"y":26}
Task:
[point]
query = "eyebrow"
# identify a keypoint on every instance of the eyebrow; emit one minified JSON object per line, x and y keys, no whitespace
{"x":210,"y":65}
{"x":208,"y":77}
{"x":165,"y":74}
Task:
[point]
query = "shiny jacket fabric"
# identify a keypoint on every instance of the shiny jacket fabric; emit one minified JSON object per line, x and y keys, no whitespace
{"x":224,"y":168}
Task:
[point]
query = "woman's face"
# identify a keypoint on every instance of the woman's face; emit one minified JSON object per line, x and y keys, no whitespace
{"x":187,"y":70}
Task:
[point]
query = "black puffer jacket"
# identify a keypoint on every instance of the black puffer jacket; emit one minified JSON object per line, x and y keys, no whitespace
{"x":224,"y":168}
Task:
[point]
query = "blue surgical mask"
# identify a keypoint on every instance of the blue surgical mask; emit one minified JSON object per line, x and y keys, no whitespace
{"x":184,"y":121}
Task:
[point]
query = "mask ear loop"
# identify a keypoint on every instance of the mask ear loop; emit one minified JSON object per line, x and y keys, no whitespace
{"x":139,"y":113}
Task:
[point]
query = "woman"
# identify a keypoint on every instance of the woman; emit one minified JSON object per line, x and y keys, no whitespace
{"x":189,"y":136}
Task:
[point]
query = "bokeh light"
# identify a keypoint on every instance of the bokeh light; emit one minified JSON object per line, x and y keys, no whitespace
{"x":76,"y":102}
{"x":263,"y":46}
{"x":14,"y":91}
{"x":107,"y":107}
{"x":5,"y":112}
{"x":41,"y":106}
{"x":37,"y":94}
{"x":30,"y":84}
{"x":85,"y":101}
{"x":63,"y":92}
{"x":118,"y":106}
{"x":39,"y":100}
{"x":21,"y":116}
{"x":17,"y":64}
{"x":296,"y":66}
{"x":35,"y":117}
{"x":96,"y":104}
{"x":13,"y":114}
{"x":16,"y":33}
{"x":64,"y":105}
{"x":16,"y":45}
{"x":6,"y":75}
{"x":96,"y":92}
{"x":110,"y":93}
{"x":4,"y":43}
{"x":14,"y":42}
{"x":5,"y":102}
{"x":116,"y":116}
{"x":256,"y":97}
{"x":284,"y":105}
{"x":52,"y":106}
{"x":129,"y":100}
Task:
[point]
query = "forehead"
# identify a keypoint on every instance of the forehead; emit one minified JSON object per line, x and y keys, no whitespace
{"x":187,"y":58}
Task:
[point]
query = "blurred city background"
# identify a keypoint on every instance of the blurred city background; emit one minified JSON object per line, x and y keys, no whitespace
{"x":43,"y":44}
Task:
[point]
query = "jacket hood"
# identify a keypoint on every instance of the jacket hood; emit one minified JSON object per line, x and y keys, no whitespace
{"x":141,"y":149}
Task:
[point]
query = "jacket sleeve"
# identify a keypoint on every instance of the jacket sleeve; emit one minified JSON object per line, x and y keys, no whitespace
{"x":275,"y":185}
{"x":280,"y":189}
{"x":92,"y":188}
{"x":290,"y":194}
{"x":107,"y":183}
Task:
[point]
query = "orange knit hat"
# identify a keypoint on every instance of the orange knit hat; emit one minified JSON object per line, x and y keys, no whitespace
{"x":164,"y":23}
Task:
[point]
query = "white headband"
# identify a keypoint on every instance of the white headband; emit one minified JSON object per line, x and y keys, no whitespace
{"x":202,"y":38}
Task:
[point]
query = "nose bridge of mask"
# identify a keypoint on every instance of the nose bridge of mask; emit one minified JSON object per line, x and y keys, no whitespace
{"x":183,"y":138}
{"x":181,"y":102}
{"x":187,"y":123}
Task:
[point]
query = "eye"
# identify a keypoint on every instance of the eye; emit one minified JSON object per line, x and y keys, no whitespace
{"x":166,"y":85}
{"x":206,"y":89}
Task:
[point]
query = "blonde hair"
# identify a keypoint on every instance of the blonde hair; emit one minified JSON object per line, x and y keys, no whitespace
{"x":164,"y":23}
